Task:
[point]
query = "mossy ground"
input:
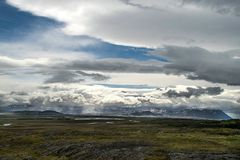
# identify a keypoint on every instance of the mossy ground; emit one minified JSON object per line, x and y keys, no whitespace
{"x":28,"y":137}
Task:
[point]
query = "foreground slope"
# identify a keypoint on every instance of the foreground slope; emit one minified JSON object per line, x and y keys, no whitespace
{"x":105,"y":138}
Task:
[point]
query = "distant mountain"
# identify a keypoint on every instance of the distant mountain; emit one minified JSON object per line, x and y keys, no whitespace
{"x":170,"y":112}
{"x":39,"y":113}
{"x":186,"y":113}
{"x":142,"y":111}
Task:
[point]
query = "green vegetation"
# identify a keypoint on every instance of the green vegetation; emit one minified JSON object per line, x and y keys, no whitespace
{"x":64,"y":138}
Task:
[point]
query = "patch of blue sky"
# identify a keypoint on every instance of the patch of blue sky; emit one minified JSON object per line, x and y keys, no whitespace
{"x":108,"y":50}
{"x":15,"y":24}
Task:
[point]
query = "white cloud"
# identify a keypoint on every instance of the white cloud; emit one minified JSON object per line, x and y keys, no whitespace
{"x":97,"y":96}
{"x":10,"y":62}
{"x":51,"y":43}
{"x":155,"y":79}
{"x":141,"y":23}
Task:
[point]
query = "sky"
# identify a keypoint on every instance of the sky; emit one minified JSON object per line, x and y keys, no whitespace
{"x":100,"y":53}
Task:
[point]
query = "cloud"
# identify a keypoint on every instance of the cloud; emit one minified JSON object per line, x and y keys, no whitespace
{"x":142,"y":5}
{"x":47,"y":67}
{"x":66,"y":76}
{"x":194,"y":92}
{"x":91,"y":98}
{"x":54,"y":71}
{"x":197,"y":63}
{"x":193,"y":62}
{"x":238,"y":100}
{"x":142,"y":23}
{"x":50,"y":43}
{"x":220,"y":6}
{"x":7,"y":62}
{"x":117,"y":65}
{"x":63,"y":77}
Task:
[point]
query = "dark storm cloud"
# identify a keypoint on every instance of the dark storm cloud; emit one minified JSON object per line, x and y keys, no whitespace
{"x":66,"y":76}
{"x":94,"y":76}
{"x":194,"y":92}
{"x":117,"y":65}
{"x":63,"y":77}
{"x":199,"y":64}
{"x":220,"y":6}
